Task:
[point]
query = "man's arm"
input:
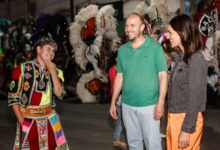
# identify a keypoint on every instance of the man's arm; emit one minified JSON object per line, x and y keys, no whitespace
{"x":14,"y":93}
{"x":116,"y":91}
{"x":18,"y":114}
{"x":57,"y":88}
{"x":163,"y":81}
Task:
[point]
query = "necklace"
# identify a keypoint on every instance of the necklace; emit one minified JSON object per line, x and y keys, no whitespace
{"x":41,"y":82}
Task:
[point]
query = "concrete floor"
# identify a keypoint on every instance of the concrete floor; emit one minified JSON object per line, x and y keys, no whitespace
{"x":89,"y":127}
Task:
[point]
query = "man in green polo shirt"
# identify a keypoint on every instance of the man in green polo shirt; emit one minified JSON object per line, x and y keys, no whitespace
{"x":142,"y":77}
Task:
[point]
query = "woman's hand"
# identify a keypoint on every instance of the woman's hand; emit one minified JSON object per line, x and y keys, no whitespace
{"x":183,"y":140}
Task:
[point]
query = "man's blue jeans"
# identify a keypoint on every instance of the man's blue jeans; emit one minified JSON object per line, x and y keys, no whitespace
{"x":118,"y":124}
{"x":141,"y":127}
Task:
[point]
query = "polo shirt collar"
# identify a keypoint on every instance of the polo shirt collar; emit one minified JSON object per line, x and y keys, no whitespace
{"x":145,"y":44}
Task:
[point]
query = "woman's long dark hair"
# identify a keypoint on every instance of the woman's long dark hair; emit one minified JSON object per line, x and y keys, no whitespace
{"x":189,"y":34}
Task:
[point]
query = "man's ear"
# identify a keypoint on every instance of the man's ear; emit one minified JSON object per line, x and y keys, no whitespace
{"x":142,"y":27}
{"x":38,"y":49}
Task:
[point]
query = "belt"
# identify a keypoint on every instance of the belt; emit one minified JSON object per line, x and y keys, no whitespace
{"x":36,"y":111}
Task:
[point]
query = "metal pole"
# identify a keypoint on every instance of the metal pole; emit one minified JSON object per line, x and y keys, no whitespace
{"x":193,"y":6}
{"x":28,"y":7}
{"x":72,"y":10}
{"x":7,"y":10}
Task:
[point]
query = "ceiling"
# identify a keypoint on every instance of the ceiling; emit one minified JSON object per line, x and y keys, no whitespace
{"x":3,"y":1}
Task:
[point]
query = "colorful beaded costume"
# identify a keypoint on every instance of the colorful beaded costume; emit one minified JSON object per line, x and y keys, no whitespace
{"x":31,"y":88}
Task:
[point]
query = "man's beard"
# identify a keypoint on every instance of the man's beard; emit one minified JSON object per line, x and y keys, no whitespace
{"x":135,"y":37}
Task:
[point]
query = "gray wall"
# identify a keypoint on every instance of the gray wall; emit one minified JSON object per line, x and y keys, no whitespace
{"x":19,"y":8}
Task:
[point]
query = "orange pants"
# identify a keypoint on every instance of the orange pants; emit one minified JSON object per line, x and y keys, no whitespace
{"x":174,"y":126}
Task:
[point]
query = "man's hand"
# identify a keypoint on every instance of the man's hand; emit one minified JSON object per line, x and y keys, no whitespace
{"x":21,"y":120}
{"x":50,"y":66}
{"x":113,"y":112}
{"x":57,"y":88}
{"x":183,"y":140}
{"x":158,"y":111}
{"x":16,"y":109}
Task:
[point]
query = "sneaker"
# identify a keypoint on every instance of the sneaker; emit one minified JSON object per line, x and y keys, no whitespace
{"x":163,"y":135}
{"x":120,"y":144}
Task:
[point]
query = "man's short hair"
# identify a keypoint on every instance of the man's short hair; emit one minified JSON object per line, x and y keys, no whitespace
{"x":139,"y":16}
{"x":44,"y":41}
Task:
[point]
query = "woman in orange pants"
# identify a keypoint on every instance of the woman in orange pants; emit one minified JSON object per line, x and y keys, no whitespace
{"x":187,"y":87}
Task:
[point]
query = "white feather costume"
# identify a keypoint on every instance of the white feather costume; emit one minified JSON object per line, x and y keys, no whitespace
{"x":84,"y":54}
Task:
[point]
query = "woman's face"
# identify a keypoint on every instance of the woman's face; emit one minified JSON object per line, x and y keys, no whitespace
{"x":174,"y":38}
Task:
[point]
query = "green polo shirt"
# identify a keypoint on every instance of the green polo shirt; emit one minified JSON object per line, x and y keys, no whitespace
{"x":140,"y":68}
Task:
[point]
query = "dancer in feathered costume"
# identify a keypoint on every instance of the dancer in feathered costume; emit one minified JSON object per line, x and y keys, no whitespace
{"x":97,"y":27}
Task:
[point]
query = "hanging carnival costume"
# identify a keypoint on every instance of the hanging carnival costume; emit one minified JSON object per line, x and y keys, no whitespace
{"x":32,"y":90}
{"x":156,"y":9}
{"x":209,"y":29}
{"x":87,"y":35}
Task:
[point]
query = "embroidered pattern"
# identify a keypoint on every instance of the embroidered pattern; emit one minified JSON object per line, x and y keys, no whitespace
{"x":42,"y":133}
{"x":27,"y":75}
{"x":47,"y":75}
{"x":28,"y":81}
{"x":59,"y":135}
{"x":21,"y":141}
{"x":17,"y":138}
{"x":37,"y":74}
{"x":12,"y":85}
{"x":19,"y":85}
{"x":41,"y":84}
{"x":28,"y":67}
{"x":24,"y":99}
{"x":26,"y":86}
{"x":25,"y":130}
